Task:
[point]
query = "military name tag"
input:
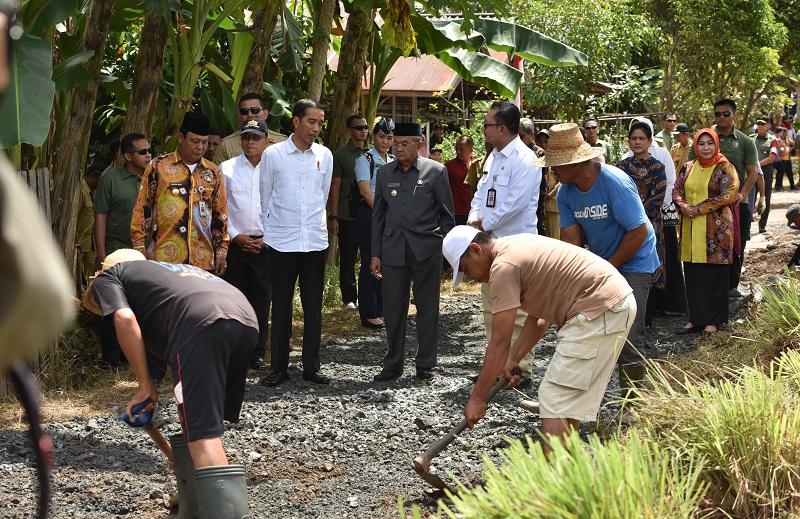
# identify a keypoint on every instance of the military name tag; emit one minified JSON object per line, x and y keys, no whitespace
{"x":491,"y":197}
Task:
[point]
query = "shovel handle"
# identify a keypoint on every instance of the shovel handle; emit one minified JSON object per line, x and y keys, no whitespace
{"x":439,"y":445}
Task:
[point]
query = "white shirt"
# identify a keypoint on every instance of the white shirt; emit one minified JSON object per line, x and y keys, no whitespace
{"x":244,"y":197}
{"x":662,"y":155}
{"x":294,"y":191}
{"x":513,"y":175}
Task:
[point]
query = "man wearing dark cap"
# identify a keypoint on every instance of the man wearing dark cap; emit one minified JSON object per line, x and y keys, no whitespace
{"x":767,"y":148}
{"x":793,"y":221}
{"x":683,"y":143}
{"x":248,"y":259}
{"x":181,"y":211}
{"x":412,"y":211}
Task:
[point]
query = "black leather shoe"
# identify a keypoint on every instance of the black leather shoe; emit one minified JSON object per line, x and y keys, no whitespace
{"x":316,"y":377}
{"x":371,"y":326}
{"x":387,"y":375}
{"x":424,"y":374}
{"x":275,"y":378}
{"x":257,"y":363}
{"x":689,"y":331}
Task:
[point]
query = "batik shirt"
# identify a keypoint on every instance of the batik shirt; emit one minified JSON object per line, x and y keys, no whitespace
{"x":180,"y":216}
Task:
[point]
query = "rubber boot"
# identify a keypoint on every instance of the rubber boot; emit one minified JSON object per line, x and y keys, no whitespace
{"x":184,"y":474}
{"x":222,"y":492}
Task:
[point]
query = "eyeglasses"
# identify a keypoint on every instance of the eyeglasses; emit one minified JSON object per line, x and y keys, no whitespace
{"x":486,"y":125}
{"x":671,"y":120}
{"x":253,"y":110}
{"x":590,"y":127}
{"x":143,"y":151}
{"x":361,"y":128}
{"x":726,"y":113}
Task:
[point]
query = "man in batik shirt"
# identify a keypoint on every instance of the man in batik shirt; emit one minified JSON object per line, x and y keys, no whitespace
{"x":180,"y":214}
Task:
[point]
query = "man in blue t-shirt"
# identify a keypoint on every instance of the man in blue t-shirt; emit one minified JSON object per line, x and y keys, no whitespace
{"x":599,"y":203}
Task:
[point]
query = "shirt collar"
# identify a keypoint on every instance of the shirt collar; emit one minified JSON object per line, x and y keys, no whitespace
{"x":509,"y":148}
{"x":413,"y":165}
{"x":293,"y":148}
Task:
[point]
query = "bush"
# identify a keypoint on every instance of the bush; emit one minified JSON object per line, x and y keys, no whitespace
{"x":637,"y":479}
{"x":775,"y":321}
{"x":474,"y":130}
{"x":746,"y":427}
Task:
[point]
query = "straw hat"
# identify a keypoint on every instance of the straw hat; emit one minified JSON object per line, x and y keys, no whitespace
{"x":567,"y":147}
{"x":118,"y":256}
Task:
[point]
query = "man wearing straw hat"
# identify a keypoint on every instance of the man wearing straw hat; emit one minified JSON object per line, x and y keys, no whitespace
{"x":599,"y":203}
{"x":205,"y":329}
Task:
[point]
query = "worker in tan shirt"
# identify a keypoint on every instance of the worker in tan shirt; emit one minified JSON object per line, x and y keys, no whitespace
{"x":554,"y":283}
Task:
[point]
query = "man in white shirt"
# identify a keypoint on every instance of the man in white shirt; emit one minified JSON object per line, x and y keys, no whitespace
{"x":248,"y":260}
{"x":295,"y":179}
{"x":507,"y":197}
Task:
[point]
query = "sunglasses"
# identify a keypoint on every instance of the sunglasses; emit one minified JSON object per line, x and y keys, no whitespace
{"x":143,"y":151}
{"x":672,"y":120}
{"x":726,"y":113}
{"x":253,"y":110}
{"x":590,"y":127}
{"x":362,"y":128}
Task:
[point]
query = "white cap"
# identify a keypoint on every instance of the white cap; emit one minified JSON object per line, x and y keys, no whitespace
{"x":454,"y":246}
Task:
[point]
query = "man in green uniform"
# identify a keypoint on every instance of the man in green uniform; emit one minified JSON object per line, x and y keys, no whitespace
{"x":343,"y":223}
{"x":767,"y":147}
{"x":593,"y":138}
{"x":251,"y":104}
{"x":664,"y":137}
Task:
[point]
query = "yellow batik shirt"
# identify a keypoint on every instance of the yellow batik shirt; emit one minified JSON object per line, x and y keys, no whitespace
{"x":180,"y":216}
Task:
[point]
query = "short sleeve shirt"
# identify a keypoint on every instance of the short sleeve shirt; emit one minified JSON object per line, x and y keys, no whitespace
{"x":365,"y":172}
{"x":608,"y":210}
{"x":765,"y":145}
{"x":344,"y":167}
{"x":551,"y":279}
{"x":116,"y":198}
{"x":172,"y":302}
{"x":457,"y":174}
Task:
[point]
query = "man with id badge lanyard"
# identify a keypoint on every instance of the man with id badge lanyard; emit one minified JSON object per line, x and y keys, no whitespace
{"x":507,"y":196}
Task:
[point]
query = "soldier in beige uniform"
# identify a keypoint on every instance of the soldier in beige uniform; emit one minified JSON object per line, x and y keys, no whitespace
{"x":250,"y":105}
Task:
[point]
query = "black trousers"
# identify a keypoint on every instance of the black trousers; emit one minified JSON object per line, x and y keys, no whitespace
{"x":348,"y":248}
{"x":250,"y":273}
{"x":706,"y":293}
{"x":461,"y":219}
{"x":673,"y":297}
{"x":782,"y":168}
{"x":426,"y":276}
{"x":762,"y":222}
{"x":110,"y":350}
{"x":286,"y":269}
{"x":745,"y":219}
{"x":370,"y":298}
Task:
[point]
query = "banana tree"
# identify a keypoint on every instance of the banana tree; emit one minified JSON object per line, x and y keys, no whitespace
{"x":188,"y":42}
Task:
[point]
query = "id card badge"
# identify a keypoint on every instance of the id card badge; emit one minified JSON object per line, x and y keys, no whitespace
{"x":491,"y":197}
{"x":202,"y":208}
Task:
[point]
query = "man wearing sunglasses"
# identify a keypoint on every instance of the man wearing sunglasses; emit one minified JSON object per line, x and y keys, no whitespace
{"x":113,"y":206}
{"x":664,"y":137}
{"x":740,"y":150}
{"x":342,"y":223}
{"x":592,"y":130}
{"x":251,"y":104}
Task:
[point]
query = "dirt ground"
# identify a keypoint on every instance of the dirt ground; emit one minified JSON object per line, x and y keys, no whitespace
{"x":339,"y":451}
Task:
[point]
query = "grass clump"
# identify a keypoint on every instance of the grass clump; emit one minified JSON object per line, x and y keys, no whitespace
{"x":613,"y":480}
{"x":747,"y":428}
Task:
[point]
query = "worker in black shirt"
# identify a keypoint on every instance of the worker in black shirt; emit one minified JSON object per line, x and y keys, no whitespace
{"x":205,"y":329}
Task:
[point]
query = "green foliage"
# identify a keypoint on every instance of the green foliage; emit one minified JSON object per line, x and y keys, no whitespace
{"x":26,"y":105}
{"x":746,"y":427}
{"x":776,"y":320}
{"x":610,"y":33}
{"x":474,"y":130}
{"x":636,"y":479}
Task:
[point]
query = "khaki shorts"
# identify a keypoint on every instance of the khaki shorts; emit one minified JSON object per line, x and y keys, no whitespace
{"x":585,"y":356}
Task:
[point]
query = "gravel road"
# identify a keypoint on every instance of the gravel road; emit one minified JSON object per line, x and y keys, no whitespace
{"x":339,"y":451}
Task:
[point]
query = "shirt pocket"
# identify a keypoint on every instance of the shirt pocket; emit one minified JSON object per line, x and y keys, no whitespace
{"x":503,"y":179}
{"x":572,"y":365}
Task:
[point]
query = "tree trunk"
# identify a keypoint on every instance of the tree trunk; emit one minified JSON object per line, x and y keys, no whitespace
{"x":321,"y":43}
{"x":263,"y":27}
{"x":148,"y":70}
{"x":71,"y":157}
{"x":350,"y":74}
